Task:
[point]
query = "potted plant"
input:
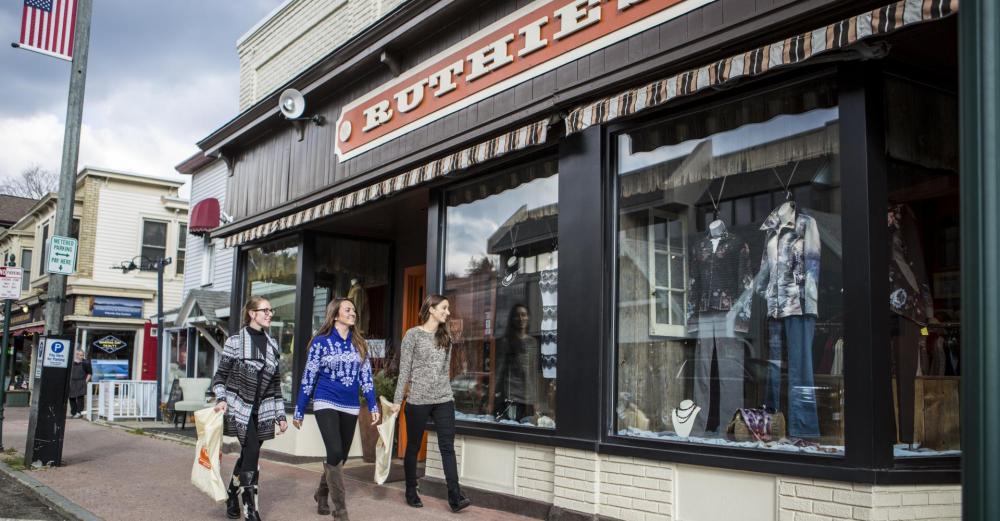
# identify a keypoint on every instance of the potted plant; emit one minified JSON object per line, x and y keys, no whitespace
{"x":385,"y":385}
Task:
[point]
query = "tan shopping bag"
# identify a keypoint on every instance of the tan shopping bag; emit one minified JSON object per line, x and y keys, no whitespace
{"x":205,"y":473}
{"x":383,"y":447}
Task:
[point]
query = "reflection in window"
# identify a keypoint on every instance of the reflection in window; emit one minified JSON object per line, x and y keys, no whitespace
{"x":924,"y":271}
{"x":177,"y":355}
{"x":729,"y":276}
{"x":271,"y":272}
{"x":501,"y":273}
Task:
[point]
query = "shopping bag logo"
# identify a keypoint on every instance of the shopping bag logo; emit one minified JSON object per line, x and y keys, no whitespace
{"x":204,"y":460}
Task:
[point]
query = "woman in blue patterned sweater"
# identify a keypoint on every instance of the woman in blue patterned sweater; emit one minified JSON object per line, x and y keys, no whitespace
{"x":336,"y":368}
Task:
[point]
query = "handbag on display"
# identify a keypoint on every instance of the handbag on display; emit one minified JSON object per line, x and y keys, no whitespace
{"x":756,"y":425}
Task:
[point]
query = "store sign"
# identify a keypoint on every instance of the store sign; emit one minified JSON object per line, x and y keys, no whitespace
{"x":62,"y":255}
{"x":10,"y":283}
{"x":110,"y":344}
{"x":108,"y":370}
{"x":528,"y":43}
{"x":57,"y":352}
{"x":115,"y":307}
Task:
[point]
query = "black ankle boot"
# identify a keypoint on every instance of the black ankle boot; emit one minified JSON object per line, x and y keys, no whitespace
{"x":248,"y":495}
{"x":233,"y":500}
{"x":412,"y":498}
{"x":456,"y":500}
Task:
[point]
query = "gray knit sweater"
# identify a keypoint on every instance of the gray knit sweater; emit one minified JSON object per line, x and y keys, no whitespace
{"x":425,"y":367}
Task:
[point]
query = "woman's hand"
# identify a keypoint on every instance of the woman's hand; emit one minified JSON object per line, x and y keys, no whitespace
{"x":283,"y":425}
{"x":297,"y":424}
{"x":395,"y":408}
{"x":375,"y":417}
{"x":221,"y":407}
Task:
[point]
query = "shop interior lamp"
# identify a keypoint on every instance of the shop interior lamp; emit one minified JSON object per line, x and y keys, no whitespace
{"x":292,"y":105}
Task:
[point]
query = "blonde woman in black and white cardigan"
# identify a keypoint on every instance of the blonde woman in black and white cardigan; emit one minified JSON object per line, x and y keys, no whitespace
{"x":247,"y":387}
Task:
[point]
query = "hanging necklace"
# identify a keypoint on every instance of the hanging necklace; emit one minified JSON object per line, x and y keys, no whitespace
{"x":787,"y":186}
{"x":685,"y":417}
{"x":717,"y":202}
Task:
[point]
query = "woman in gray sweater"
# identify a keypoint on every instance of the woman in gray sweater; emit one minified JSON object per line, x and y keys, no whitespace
{"x":424,"y":382}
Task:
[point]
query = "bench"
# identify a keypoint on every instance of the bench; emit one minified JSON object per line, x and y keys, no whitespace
{"x":193,"y":390}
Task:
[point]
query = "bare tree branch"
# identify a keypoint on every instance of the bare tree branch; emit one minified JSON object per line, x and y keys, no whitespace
{"x":34,"y":183}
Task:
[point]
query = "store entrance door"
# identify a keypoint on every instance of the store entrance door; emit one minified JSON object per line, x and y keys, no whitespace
{"x":414,"y":282}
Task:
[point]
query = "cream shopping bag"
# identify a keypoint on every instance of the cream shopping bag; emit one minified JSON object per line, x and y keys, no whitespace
{"x":205,"y":473}
{"x":383,"y":447}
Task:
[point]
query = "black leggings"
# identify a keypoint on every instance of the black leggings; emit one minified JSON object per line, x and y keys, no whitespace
{"x":337,"y":429}
{"x":76,"y":404}
{"x":249,"y":451}
{"x":444,"y":425}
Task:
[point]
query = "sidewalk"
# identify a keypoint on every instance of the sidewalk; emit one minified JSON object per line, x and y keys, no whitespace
{"x":118,"y":475}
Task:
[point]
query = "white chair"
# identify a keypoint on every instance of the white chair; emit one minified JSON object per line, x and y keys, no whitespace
{"x":194,"y":390}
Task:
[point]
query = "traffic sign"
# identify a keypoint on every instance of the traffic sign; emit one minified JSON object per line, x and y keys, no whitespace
{"x":57,"y":352}
{"x":10,"y":283}
{"x":62,"y":255}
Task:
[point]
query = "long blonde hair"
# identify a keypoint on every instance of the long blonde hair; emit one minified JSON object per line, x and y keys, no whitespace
{"x":332,"y":312}
{"x":442,"y":336}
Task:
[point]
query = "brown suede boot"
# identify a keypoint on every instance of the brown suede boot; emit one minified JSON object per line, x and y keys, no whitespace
{"x":322,"y":497}
{"x":335,"y":480}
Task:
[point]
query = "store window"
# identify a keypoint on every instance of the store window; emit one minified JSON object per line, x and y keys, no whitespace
{"x":110,"y":353}
{"x":924,"y":268}
{"x":501,"y":271}
{"x":205,"y":352}
{"x":272,"y":272}
{"x":729,"y":275}
{"x":45,"y":248}
{"x":208,"y":263}
{"x":26,"y":269}
{"x":358,"y":270}
{"x":154,"y":240}
{"x":181,"y":248}
{"x":176,"y":341}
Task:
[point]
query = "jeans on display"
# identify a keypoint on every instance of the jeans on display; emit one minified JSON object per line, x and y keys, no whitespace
{"x":716,"y":337}
{"x":444,"y":424}
{"x":803,"y":421}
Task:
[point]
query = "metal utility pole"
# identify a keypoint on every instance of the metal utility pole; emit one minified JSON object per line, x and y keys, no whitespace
{"x":979,"y":99}
{"x":46,"y":425}
{"x":70,"y":157}
{"x":161,"y":264}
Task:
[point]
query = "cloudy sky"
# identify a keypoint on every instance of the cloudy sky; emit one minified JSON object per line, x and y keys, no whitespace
{"x":162,"y":75}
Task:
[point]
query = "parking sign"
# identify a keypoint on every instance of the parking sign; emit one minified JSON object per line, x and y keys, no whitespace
{"x":62,"y":255}
{"x":57,"y":352}
{"x":10,"y":283}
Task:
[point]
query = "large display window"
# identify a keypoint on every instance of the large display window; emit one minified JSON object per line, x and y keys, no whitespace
{"x":501,"y":267}
{"x":729,"y":275}
{"x":271,"y":272}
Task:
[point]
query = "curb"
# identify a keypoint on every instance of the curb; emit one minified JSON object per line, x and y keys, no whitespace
{"x":50,"y":497}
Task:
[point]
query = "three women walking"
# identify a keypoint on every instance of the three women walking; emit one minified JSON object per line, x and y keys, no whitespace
{"x":247,"y":387}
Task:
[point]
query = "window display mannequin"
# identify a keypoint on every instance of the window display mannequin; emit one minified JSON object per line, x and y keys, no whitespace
{"x":719,"y":274}
{"x":912,"y":307}
{"x":789,"y":280}
{"x":359,"y":297}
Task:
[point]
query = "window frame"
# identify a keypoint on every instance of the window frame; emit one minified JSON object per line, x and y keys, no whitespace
{"x":142,"y":237}
{"x":180,"y":254}
{"x":26,"y":268}
{"x":657,"y":328}
{"x":207,"y":262}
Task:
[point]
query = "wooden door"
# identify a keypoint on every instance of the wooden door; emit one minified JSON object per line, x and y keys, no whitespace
{"x":149,"y":362}
{"x":414,"y":280}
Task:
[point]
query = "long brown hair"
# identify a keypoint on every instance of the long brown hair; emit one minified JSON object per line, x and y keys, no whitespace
{"x":332,"y":312}
{"x":252,"y":303}
{"x":442,"y":336}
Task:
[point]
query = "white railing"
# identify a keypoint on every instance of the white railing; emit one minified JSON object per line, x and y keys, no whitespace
{"x":122,"y":399}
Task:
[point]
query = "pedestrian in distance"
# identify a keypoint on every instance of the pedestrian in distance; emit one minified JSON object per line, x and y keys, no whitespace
{"x":337,"y":368}
{"x":247,"y":387}
{"x":425,"y":383}
{"x":79,"y":377}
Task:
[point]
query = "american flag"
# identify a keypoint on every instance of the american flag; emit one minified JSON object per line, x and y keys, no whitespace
{"x":47,"y":27}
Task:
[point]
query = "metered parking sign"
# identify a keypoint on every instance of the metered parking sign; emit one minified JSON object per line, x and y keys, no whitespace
{"x":57,"y":352}
{"x":62,"y":255}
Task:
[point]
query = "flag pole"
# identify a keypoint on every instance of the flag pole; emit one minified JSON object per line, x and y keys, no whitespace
{"x":55,"y":303}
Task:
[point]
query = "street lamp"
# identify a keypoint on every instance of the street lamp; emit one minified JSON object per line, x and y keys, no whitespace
{"x":146,"y":264}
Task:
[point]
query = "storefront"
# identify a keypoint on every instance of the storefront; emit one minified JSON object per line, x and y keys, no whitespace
{"x":693,"y":249}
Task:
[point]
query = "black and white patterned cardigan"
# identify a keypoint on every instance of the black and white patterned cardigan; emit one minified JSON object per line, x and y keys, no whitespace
{"x":235,"y":383}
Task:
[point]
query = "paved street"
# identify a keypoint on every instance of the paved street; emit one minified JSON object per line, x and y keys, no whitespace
{"x":122,"y":476}
{"x":18,"y":503}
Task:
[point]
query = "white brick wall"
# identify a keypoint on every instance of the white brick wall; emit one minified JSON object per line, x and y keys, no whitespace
{"x":634,"y":489}
{"x":298,"y":34}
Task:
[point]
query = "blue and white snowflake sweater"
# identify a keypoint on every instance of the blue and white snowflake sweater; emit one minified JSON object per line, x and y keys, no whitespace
{"x":334,"y":371}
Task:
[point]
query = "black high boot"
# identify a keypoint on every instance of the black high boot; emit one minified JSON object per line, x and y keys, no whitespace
{"x":322,"y":496}
{"x":233,"y":501}
{"x":456,"y":500}
{"x":412,"y":498}
{"x":248,"y":495}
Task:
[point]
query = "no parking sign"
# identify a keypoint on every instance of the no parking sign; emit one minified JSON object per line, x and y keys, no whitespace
{"x":57,"y":352}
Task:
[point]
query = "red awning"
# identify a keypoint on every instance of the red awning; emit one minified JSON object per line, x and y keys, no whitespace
{"x":204,"y":216}
{"x":27,"y":330}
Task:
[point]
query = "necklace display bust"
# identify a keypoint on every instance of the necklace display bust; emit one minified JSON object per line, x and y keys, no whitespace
{"x":683,"y":417}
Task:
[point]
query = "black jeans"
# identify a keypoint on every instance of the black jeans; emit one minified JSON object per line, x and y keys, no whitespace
{"x":249,"y":451}
{"x":444,"y":424}
{"x":337,"y":429}
{"x":76,"y":404}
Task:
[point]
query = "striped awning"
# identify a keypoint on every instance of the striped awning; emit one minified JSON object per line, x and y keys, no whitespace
{"x":790,"y":51}
{"x":521,"y":138}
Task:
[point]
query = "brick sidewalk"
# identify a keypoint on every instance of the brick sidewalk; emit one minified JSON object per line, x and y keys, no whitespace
{"x":122,"y":476}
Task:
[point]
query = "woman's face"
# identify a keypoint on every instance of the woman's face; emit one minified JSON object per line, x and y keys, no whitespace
{"x":441,"y":312}
{"x":262,"y":314}
{"x":521,"y":318}
{"x":347,"y":315}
